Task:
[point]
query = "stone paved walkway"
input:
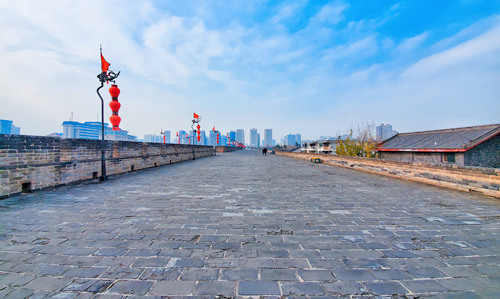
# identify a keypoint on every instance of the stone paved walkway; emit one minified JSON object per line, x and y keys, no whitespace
{"x":240,"y":224}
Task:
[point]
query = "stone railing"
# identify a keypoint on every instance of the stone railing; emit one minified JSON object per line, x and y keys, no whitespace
{"x":31,"y":162}
{"x":469,"y":179}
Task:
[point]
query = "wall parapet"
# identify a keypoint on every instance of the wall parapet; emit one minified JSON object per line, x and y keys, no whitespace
{"x":225,"y":149}
{"x":468,"y":179}
{"x":36,"y":162}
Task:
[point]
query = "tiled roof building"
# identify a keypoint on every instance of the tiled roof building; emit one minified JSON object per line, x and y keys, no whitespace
{"x":470,"y":146}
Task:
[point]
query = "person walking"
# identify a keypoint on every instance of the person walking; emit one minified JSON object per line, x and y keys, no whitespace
{"x":264,"y":151}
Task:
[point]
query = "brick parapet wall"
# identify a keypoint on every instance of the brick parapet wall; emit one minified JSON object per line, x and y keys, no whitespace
{"x":224,"y":149}
{"x":41,"y":162}
{"x":483,"y":180}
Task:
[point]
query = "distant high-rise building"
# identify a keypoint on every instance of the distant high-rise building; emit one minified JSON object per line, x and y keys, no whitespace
{"x":92,"y":130}
{"x":384,"y":132}
{"x":153,"y":138}
{"x":87,"y":130}
{"x":290,"y":140}
{"x":7,"y":127}
{"x":268,"y":137}
{"x":258,"y":140}
{"x":118,"y":135}
{"x":203,"y":138}
{"x":212,"y":138}
{"x":298,"y":139}
{"x":167,"y":136}
{"x":182,"y":137}
{"x":240,"y":136}
{"x":254,"y":138}
{"x":223,"y":140}
{"x":232,"y":135}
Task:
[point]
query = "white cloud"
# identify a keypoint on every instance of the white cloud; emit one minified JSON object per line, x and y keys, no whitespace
{"x":330,"y":13}
{"x":469,"y":53}
{"x":412,"y":42}
{"x":237,"y":75}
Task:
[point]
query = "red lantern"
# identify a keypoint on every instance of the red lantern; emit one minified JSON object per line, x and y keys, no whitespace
{"x":115,"y":120}
{"x":115,"y":105}
{"x":114,"y":91}
{"x":198,"y":137}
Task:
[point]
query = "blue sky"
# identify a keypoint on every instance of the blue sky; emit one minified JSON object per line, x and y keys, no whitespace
{"x":309,"y":67}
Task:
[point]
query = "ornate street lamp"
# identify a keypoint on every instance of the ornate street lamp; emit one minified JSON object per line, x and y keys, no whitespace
{"x":107,"y":76}
{"x":216,"y":142}
{"x":163,"y":133}
{"x":196,"y":120}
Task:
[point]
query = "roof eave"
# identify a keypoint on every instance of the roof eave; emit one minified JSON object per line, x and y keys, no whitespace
{"x":422,"y":150}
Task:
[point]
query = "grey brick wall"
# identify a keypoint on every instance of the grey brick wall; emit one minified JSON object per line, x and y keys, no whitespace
{"x":40,"y":162}
{"x":487,"y":154}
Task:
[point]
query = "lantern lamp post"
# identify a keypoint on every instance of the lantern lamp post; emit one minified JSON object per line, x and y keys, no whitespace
{"x":196,"y":120}
{"x":162,"y":133}
{"x":215,"y":141}
{"x":105,"y":76}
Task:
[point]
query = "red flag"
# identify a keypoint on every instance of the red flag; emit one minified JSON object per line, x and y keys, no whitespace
{"x":213,"y":129}
{"x":195,"y":115}
{"x":104,"y":64}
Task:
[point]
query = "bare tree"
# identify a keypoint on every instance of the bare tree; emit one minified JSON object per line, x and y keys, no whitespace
{"x":360,"y":141}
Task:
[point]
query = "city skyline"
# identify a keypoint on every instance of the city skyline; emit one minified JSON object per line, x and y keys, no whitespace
{"x":293,"y":66}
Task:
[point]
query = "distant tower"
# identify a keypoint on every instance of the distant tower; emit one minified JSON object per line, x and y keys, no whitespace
{"x":167,"y":136}
{"x":384,"y":132}
{"x":298,"y":139}
{"x":240,"y":136}
{"x":268,"y":137}
{"x":254,"y":138}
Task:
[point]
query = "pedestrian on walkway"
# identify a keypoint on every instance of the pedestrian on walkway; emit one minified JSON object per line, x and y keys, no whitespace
{"x":264,"y":151}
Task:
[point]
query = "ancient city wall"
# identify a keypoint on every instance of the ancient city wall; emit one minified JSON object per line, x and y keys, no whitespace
{"x":225,"y":149}
{"x":483,"y":180}
{"x":33,"y":162}
{"x":416,"y":157}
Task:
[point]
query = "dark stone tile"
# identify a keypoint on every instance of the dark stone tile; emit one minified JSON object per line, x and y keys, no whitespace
{"x":385,"y":288}
{"x":199,"y":274}
{"x":130,"y":287}
{"x":161,"y":274}
{"x":110,"y":252}
{"x":239,"y":274}
{"x":424,"y":286}
{"x":316,"y":275}
{"x":301,"y":288}
{"x":258,"y":288}
{"x":342,"y":288}
{"x":353,"y":274}
{"x":278,"y":274}
{"x":169,"y":288}
{"x":91,"y":272}
{"x":185,"y":263}
{"x":150,"y":262}
{"x":220,"y":288}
